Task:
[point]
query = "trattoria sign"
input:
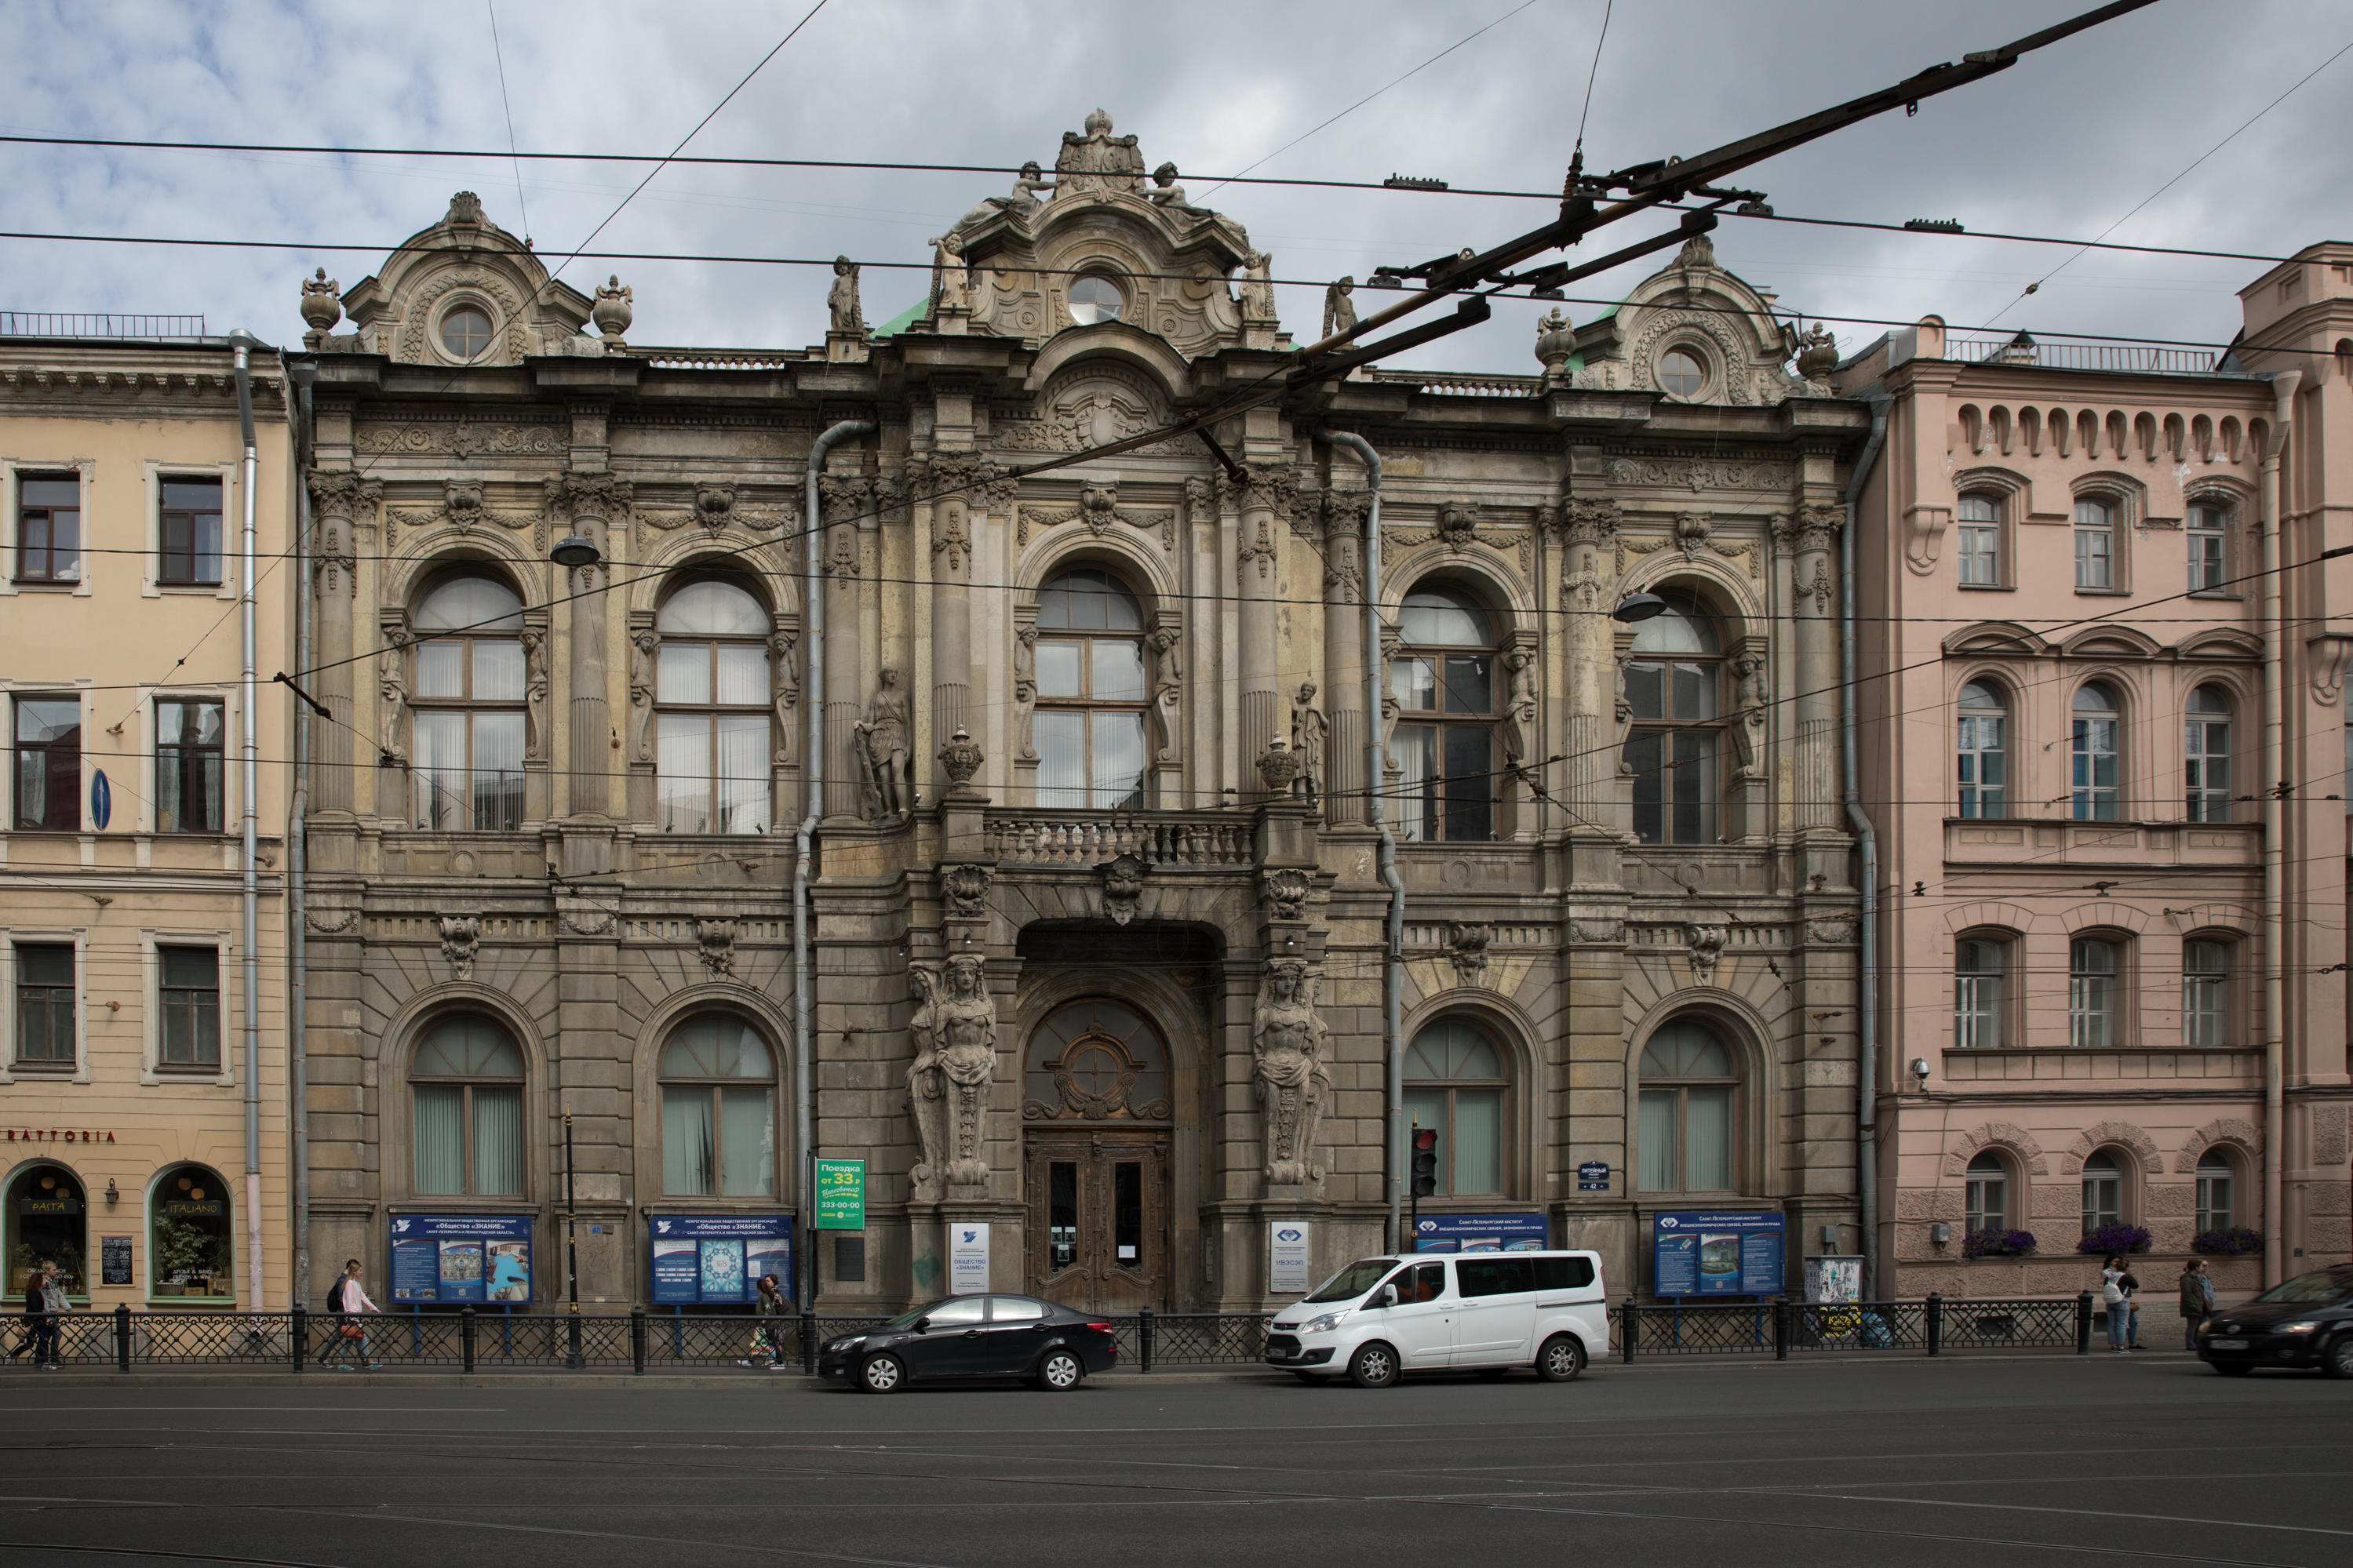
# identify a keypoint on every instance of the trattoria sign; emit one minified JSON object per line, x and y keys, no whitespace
{"x":53,"y":1135}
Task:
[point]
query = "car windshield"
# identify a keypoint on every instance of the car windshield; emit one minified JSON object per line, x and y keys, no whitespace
{"x":2328,"y":1288}
{"x":907,"y":1319}
{"x":1353,"y":1281}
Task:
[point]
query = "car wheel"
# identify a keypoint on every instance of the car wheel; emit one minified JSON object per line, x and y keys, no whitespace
{"x":1312,"y":1379}
{"x":1059,"y":1372}
{"x":1561,"y":1360}
{"x":1373,"y":1366}
{"x":882,"y":1375}
{"x":2337,"y":1361}
{"x":1490,"y":1373}
{"x":2232,"y":1368}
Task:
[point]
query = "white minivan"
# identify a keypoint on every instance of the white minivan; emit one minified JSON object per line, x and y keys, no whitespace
{"x":1488,"y":1310}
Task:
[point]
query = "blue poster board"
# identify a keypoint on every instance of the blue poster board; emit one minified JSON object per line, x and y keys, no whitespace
{"x":1483,"y":1232}
{"x":1700,"y":1252}
{"x":705,"y":1260}
{"x":461,"y":1260}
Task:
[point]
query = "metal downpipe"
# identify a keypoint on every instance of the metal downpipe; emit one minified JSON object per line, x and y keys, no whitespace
{"x":812,"y":805}
{"x":1867,"y":1034}
{"x":297,"y":849}
{"x":242,"y":344}
{"x":1375,"y":764}
{"x":2284,"y":390}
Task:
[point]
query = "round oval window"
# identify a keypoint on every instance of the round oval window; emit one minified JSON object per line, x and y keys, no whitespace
{"x":1096,"y":299}
{"x":1680,"y":374}
{"x":466,"y":332}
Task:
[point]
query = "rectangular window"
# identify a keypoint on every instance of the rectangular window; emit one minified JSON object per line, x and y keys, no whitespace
{"x":189,"y":532}
{"x":1977,"y":997}
{"x":188,"y":762}
{"x":1675,"y":785}
{"x":689,"y":1143}
{"x":1989,"y":1204}
{"x":2092,"y":996}
{"x":45,"y":1005}
{"x":48,"y":527}
{"x":189,"y":1000}
{"x":1981,"y":555}
{"x":2205,"y":990}
{"x":49,"y":765}
{"x":2095,"y":546}
{"x":1662,"y":1164}
{"x":440,"y":1110}
{"x":2208,"y":566}
{"x":2214,"y":1208}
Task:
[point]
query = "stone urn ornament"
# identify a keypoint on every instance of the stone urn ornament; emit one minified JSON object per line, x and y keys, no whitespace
{"x":962,"y":757}
{"x":1818,"y":354}
{"x":323,"y":303}
{"x":613,"y":311}
{"x":1278,"y":765}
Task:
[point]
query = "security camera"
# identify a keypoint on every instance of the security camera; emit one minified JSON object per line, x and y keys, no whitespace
{"x":1920,"y":1070}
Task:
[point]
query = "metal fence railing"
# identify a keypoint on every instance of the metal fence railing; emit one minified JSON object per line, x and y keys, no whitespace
{"x":1929,"y":1327}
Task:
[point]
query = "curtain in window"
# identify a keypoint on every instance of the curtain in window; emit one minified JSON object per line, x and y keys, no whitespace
{"x":439,"y":768}
{"x":498,"y":772}
{"x":1707,"y":1131}
{"x":1661,"y":1171}
{"x":689,"y":1150}
{"x":498,"y":1140}
{"x":1478,"y":1139}
{"x":748,"y":1135}
{"x":1414,"y":750}
{"x":742,"y":675}
{"x":1119,"y":758}
{"x":1062,"y":742}
{"x":742,"y":786}
{"x":440,"y":1111}
{"x":682,"y":765}
{"x":497,"y":672}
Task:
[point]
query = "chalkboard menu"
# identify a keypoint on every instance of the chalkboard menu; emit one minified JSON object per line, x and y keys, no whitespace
{"x":114,"y":1259}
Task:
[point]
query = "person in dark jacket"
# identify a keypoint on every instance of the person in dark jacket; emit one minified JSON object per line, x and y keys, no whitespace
{"x":44,"y":1304}
{"x":2197,"y":1288}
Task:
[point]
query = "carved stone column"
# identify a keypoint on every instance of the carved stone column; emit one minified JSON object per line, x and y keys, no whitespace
{"x":1809,"y":533}
{"x":1268,"y":495}
{"x":338,"y":501}
{"x":593,"y":501}
{"x":1344,"y":652}
{"x":945,"y":492}
{"x":844,"y":498}
{"x":1588,"y":593}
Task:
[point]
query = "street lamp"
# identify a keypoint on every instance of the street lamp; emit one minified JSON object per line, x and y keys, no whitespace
{"x":1632,"y":608}
{"x":575,"y":550}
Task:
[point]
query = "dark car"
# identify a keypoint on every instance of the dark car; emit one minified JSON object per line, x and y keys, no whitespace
{"x":2303,"y":1321}
{"x":1048,"y":1345}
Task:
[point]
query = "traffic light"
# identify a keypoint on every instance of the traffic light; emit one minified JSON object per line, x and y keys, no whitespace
{"x":1425,"y":1161}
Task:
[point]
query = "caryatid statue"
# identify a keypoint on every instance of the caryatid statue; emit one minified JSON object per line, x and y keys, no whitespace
{"x":1308,"y":730}
{"x":1290,"y":1072}
{"x":884,"y":754}
{"x":955,"y":1037}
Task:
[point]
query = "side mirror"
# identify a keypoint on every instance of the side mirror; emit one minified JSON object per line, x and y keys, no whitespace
{"x":922,"y":1325}
{"x":1389,"y":1295}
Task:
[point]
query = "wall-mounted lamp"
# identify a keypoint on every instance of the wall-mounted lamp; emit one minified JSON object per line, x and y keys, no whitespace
{"x":1920,"y":1071}
{"x":575,"y":550}
{"x":113,"y":1195}
{"x":1637,"y":607}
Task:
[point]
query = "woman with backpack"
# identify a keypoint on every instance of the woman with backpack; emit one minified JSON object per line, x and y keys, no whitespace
{"x":347,"y":1301}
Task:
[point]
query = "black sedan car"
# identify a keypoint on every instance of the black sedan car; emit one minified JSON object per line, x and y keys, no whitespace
{"x":2303,"y":1321}
{"x":1047,"y":1345}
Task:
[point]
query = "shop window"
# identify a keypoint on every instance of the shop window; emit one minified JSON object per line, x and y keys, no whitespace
{"x":1979,"y":964}
{"x":1982,"y":747}
{"x":719,"y":1112}
{"x":1988,"y":1202}
{"x":2209,"y":567}
{"x":2217,"y":1178}
{"x":1673,"y":680}
{"x":189,"y":797}
{"x":188,"y":999}
{"x":48,"y":527}
{"x":1443,"y":683}
{"x":2093,"y":969}
{"x":45,"y":1005}
{"x":1088,"y":729}
{"x":188,"y":531}
{"x":2104,"y":1191}
{"x":2093,"y":789}
{"x":1455,"y":1081}
{"x":2205,"y":993}
{"x":712,"y":710}
{"x":468,"y":701}
{"x":49,"y":765}
{"x":2206,"y":754}
{"x":1978,"y":518}
{"x":465,"y":1088}
{"x":191,"y":1246}
{"x":2095,"y":546}
{"x":1686,"y":1112}
{"x":48,"y":1222}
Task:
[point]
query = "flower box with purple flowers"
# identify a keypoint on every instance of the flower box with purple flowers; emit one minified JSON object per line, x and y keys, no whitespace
{"x":2115,"y":1238}
{"x":1993,"y":1243}
{"x":2236,"y":1241}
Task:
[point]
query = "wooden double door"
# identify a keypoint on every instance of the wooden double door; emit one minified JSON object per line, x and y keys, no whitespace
{"x":1098,"y":1233}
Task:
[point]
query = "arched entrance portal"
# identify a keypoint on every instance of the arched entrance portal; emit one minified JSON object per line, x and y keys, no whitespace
{"x":1095,"y":1132}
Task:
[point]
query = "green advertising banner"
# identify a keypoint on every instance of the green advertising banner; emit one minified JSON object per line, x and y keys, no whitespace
{"x":840,"y":1194}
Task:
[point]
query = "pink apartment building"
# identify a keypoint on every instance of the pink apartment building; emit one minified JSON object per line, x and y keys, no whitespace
{"x":2104,"y":748}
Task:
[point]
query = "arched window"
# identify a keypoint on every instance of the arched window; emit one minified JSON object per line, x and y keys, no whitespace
{"x":48,"y":1221}
{"x":467,"y":703}
{"x":1673,"y":680}
{"x":2206,"y":754}
{"x":2104,"y":1191}
{"x":1980,"y":520}
{"x":1089,"y":725}
{"x":719,"y":1110}
{"x":2099,"y":723}
{"x":711,"y":696}
{"x":191,"y":1235}
{"x":1443,"y":682}
{"x":1988,"y":1203}
{"x":2092,"y":967}
{"x":1983,"y":747}
{"x":1687,"y":1087}
{"x":2096,"y":544}
{"x":2216,"y":1207}
{"x":2205,"y":993}
{"x":1978,"y":962}
{"x":465,"y":1088}
{"x":2210,"y":568}
{"x":1455,"y":1081}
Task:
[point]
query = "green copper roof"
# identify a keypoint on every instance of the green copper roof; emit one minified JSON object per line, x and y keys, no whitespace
{"x":904,"y":319}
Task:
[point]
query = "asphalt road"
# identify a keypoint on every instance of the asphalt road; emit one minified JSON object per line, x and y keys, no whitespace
{"x":1923,"y":1463}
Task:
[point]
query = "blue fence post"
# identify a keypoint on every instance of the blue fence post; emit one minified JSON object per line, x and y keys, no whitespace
{"x":1934,"y":1329}
{"x":123,"y":1340}
{"x":466,"y":1337}
{"x":1143,"y":1338}
{"x":1629,"y":1329}
{"x":2084,"y":1324}
{"x":637,"y":1340}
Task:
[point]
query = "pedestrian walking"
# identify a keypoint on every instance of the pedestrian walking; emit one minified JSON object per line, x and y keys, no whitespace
{"x":767,"y":1313}
{"x":2112,"y":1298}
{"x":44,"y":1309}
{"x":347,"y":1301}
{"x":2130,"y":1285}
{"x":2197,"y":1288}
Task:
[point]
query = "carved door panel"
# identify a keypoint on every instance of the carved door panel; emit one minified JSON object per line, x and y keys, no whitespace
{"x":1098,"y":1233}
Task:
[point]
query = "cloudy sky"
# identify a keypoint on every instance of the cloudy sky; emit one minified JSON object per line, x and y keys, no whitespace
{"x":2064,"y":143}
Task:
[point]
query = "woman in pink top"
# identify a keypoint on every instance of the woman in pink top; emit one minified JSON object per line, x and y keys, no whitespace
{"x":347,"y":1301}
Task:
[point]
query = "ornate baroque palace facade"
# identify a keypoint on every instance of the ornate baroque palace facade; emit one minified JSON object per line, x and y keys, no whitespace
{"x":1097,"y":923}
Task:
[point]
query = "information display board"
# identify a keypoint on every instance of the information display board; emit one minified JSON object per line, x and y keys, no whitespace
{"x":840,"y":1194}
{"x":968,"y":1260}
{"x":1701,"y":1252}
{"x":461,"y":1260}
{"x":708,"y":1259}
{"x":1593,"y":1177}
{"x":1287,"y":1257}
{"x":1482,"y":1233}
{"x":114,"y":1259}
